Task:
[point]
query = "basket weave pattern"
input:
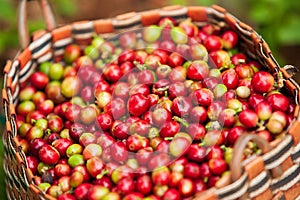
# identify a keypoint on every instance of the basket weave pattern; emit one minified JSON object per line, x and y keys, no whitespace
{"x":256,"y":181}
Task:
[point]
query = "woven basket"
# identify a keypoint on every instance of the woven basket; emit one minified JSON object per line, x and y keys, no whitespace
{"x":275,"y":174}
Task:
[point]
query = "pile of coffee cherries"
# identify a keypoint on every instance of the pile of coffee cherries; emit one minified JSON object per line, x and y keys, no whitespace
{"x":148,"y":114}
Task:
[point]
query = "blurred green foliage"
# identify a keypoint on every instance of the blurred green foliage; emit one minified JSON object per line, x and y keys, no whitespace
{"x":8,"y":20}
{"x":277,"y":21}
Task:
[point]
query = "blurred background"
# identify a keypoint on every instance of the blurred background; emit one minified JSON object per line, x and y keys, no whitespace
{"x":277,"y":21}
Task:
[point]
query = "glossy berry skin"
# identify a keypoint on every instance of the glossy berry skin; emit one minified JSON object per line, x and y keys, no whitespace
{"x":121,"y":90}
{"x":217,"y":166}
{"x":214,"y":110}
{"x":163,"y":146}
{"x":214,"y":152}
{"x":171,"y":194}
{"x":159,"y":160}
{"x":135,"y":142}
{"x":279,"y":116}
{"x":35,"y":145}
{"x":177,"y":89}
{"x":186,"y":187}
{"x":34,"y":133}
{"x":161,"y":176}
{"x":198,"y":114}
{"x":163,"y":71}
{"x":178,"y":35}
{"x":32,"y":162}
{"x":178,"y":74}
{"x":48,"y":154}
{"x":143,"y":155}
{"x":62,"y":145}
{"x":200,"y":185}
{"x":198,"y":70}
{"x":175,"y":178}
{"x":72,"y":52}
{"x":39,"y":80}
{"x":255,"y":99}
{"x":274,"y":126}
{"x":66,"y":197}
{"x":55,"y":123}
{"x":198,"y":51}
{"x":120,"y":131}
{"x":169,"y":129}
{"x":144,"y":184}
{"x":87,"y":94}
{"x":181,"y":106}
{"x":190,"y":28}
{"x":137,"y":104}
{"x":126,"y":55}
{"x":26,"y":107}
{"x":234,"y":134}
{"x":140,"y":127}
{"x":230,"y":79}
{"x":46,"y":107}
{"x":248,"y":118}
{"x":97,"y":192}
{"x":278,"y":102}
{"x":203,"y":97}
{"x":116,"y":108}
{"x":94,"y":166}
{"x":238,"y":58}
{"x":262,"y":82}
{"x":263,"y":110}
{"x":133,"y":196}
{"x":104,"y":121}
{"x":119,"y":152}
{"x":160,"y":116}
{"x":210,"y":82}
{"x":205,"y":170}
{"x":227,"y":117}
{"x":229,"y":39}
{"x":213,"y":43}
{"x":179,"y":146}
{"x":151,"y":33}
{"x":175,"y":59}
{"x":126,"y":185}
{"x":146,"y":77}
{"x":81,"y":191}
{"x":105,"y":181}
{"x":220,"y":58}
{"x":244,"y":71}
{"x":192,"y":170}
{"x":196,"y":130}
{"x":266,"y":135}
{"x":214,"y":137}
{"x":196,"y":153}
{"x":112,"y":73}
{"x":62,"y":170}
{"x":76,"y":131}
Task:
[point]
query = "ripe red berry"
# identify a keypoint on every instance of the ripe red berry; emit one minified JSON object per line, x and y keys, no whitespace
{"x":137,"y":104}
{"x":262,"y":82}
